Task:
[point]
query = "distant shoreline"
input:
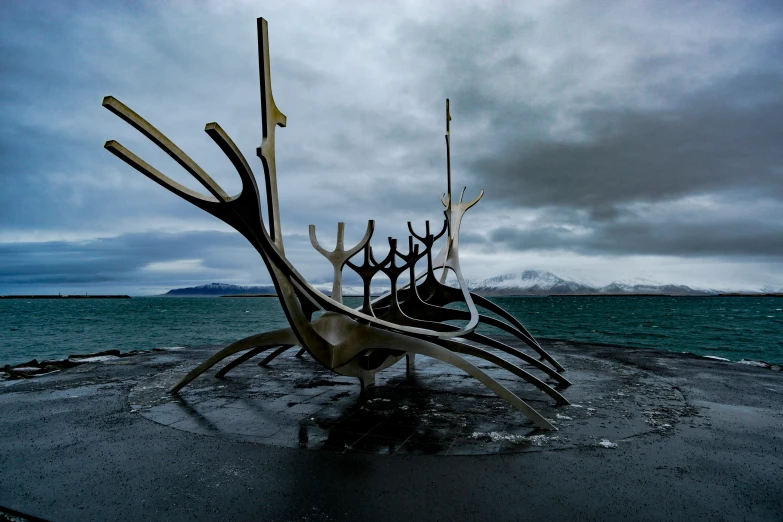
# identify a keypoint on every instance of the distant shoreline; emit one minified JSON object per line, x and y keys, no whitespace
{"x":65,"y":297}
{"x":484,"y":295}
{"x":269,"y":295}
{"x":249,"y":295}
{"x":518,"y":295}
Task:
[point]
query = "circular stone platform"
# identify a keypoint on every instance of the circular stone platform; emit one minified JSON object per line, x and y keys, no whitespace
{"x":431,"y":409}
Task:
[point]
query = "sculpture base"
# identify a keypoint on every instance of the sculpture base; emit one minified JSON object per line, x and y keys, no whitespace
{"x":426,"y":408}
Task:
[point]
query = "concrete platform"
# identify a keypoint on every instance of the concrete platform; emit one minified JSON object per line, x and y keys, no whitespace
{"x":649,"y":435}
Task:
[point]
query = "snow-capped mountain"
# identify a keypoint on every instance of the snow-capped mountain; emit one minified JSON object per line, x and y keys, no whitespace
{"x":538,"y":282}
{"x":529,"y":282}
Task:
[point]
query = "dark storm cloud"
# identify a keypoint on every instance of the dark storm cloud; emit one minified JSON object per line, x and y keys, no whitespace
{"x":722,"y":140}
{"x":741,"y":239}
{"x":721,"y":133}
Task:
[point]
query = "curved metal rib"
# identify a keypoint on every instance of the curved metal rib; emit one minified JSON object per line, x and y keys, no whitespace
{"x":339,"y":256}
{"x":234,"y":155}
{"x":428,"y":239}
{"x":415,"y":312}
{"x":366,"y":271}
{"x":416,"y":308}
{"x":503,"y":347}
{"x":264,"y":340}
{"x":470,"y":203}
{"x":442,"y":295}
{"x":192,"y":197}
{"x":249,"y":355}
{"x":239,"y":360}
{"x":492,"y":307}
{"x":475,"y":351}
{"x":157,"y":137}
{"x":422,"y":347}
{"x":274,"y":355}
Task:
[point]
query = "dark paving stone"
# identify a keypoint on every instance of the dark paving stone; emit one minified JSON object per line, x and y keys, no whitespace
{"x":340,"y":441}
{"x":424,"y":447}
{"x":443,"y":434}
{"x":375,"y":444}
{"x":390,"y":429}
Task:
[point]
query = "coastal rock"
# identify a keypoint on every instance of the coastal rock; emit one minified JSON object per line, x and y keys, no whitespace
{"x":60,"y":365}
{"x":134,"y":352}
{"x":34,"y":368}
{"x":33,"y":363}
{"x":759,"y":364}
{"x":25,"y":369}
{"x":98,"y":358}
{"x":716,"y":358}
{"x":115,"y":353}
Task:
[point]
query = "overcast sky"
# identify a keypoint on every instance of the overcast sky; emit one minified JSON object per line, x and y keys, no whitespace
{"x":614,"y":139}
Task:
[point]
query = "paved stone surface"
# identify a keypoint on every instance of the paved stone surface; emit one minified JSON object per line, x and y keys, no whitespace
{"x":429,"y":409}
{"x":649,"y":435}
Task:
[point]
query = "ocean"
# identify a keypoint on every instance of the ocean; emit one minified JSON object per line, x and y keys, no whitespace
{"x":732,"y":327}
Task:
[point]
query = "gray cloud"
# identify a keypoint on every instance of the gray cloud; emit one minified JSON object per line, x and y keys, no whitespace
{"x":597,"y":127}
{"x":151,"y":259}
{"x":714,"y":143}
{"x":749,"y":240}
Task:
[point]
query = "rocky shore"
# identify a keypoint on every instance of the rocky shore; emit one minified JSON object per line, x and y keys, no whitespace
{"x":34,"y":368}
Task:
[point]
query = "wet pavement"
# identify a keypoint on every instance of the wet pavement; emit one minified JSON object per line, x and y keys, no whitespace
{"x":648,"y":435}
{"x":430,"y":408}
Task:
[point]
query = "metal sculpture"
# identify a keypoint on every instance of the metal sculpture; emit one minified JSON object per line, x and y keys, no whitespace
{"x":408,"y":320}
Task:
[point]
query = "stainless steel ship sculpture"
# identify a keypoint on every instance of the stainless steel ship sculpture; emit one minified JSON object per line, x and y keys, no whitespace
{"x":410,"y":319}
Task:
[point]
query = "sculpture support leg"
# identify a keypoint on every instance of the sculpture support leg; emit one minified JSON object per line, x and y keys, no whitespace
{"x":420,"y":346}
{"x":239,"y":360}
{"x":273,"y":355}
{"x":263,"y":341}
{"x":367,"y":380}
{"x":500,"y":390}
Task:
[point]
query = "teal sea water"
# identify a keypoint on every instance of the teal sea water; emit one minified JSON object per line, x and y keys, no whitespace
{"x":730,"y":327}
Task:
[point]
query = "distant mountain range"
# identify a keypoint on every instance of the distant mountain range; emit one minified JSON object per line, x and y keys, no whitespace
{"x":218,"y":289}
{"x":537,"y":282}
{"x":528,"y":282}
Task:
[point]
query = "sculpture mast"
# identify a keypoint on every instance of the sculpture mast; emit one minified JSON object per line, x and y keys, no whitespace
{"x":270,"y":117}
{"x":448,"y":160}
